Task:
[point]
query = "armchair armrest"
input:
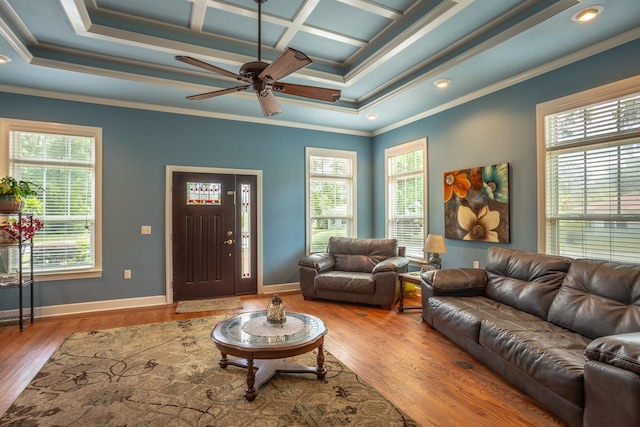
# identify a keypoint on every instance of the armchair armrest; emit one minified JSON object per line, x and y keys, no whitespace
{"x":391,"y":264}
{"x":622,"y":351}
{"x":457,"y":281}
{"x":318,"y":261}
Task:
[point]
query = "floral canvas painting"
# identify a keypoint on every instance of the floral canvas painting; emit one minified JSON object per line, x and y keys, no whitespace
{"x":476,"y":203}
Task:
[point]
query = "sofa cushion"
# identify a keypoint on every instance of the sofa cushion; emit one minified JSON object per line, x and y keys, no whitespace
{"x":344,"y":281}
{"x":524,"y":280}
{"x":552,"y":355}
{"x":464,"y":315}
{"x":353,"y":254}
{"x":599,"y":298}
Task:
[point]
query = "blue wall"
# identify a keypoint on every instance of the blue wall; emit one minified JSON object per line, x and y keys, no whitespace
{"x":500,"y":127}
{"x":137,"y":145}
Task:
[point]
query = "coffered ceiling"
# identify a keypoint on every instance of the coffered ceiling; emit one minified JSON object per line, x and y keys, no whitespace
{"x":384,"y":55}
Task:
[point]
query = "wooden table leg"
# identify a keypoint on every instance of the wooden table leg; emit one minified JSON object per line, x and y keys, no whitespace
{"x":223,"y":362}
{"x":250,"y":393}
{"x":401,"y":305}
{"x":321,"y":371}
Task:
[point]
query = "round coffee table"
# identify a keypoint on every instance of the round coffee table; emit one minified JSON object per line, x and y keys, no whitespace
{"x":264,"y":346}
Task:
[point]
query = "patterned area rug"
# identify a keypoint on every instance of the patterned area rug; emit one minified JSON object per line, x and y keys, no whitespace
{"x":196,"y":306}
{"x":166,"y":374}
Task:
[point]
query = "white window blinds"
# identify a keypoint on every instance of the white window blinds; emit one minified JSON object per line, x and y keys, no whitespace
{"x":331,"y":194}
{"x":593,"y":180}
{"x":406,"y":196}
{"x":64,"y":165}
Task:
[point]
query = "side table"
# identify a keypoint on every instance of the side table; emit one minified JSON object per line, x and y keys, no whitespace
{"x":411,"y":277}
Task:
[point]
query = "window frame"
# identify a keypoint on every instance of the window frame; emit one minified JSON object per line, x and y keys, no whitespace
{"x":8,"y":125}
{"x":335,"y":153}
{"x":594,"y":96}
{"x":407,"y":147}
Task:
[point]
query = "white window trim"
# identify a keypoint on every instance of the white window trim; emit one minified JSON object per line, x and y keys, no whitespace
{"x":394,"y":151}
{"x":576,"y":100}
{"x":6,"y":126}
{"x":328,"y":152}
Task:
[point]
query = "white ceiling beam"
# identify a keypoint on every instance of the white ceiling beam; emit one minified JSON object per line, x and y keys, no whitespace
{"x":373,"y":7}
{"x":333,"y":36}
{"x":198,"y":11}
{"x":298,"y":21}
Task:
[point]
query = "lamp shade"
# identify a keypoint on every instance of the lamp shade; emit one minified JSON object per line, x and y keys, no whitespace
{"x":435,"y":244}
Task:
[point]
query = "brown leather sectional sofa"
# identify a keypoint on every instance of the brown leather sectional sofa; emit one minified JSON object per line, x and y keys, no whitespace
{"x":564,"y":331}
{"x":354,"y":270}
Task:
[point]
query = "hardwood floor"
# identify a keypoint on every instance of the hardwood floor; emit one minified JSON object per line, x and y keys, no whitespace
{"x":397,"y":353}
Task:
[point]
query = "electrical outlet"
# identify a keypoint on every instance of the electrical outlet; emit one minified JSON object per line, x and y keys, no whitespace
{"x":145,"y":229}
{"x":127,"y":274}
{"x":476,"y":264}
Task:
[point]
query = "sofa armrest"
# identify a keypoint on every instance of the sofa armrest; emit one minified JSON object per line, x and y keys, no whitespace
{"x":612,"y":381}
{"x":622,"y":351}
{"x":456,"y":281}
{"x":396,"y":263}
{"x":318,"y":261}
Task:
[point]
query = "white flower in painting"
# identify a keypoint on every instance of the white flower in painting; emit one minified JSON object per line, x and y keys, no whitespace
{"x":481,"y":226}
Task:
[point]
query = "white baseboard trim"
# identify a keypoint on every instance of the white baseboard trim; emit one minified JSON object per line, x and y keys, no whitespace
{"x":284,"y":287}
{"x":90,"y":307}
{"x":94,"y":306}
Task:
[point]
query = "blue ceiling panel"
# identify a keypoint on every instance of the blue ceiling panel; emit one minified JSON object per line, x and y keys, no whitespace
{"x":228,"y":24}
{"x":170,"y":12}
{"x":47,"y":22}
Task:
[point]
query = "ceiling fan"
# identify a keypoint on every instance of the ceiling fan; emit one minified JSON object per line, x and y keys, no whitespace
{"x":263,"y":77}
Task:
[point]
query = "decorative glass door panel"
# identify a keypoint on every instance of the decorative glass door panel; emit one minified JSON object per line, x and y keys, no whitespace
{"x":245,"y":230}
{"x":203,"y":193}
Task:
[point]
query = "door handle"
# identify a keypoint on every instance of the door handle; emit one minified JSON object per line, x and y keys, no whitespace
{"x":228,"y":242}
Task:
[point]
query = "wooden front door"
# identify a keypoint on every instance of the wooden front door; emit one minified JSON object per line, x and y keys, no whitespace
{"x":214,"y":235}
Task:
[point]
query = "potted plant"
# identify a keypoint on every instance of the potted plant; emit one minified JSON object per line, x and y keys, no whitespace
{"x":13,"y":193}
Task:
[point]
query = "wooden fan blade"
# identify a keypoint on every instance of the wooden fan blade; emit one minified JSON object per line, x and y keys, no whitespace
{"x":285,"y":64}
{"x":269,"y":103}
{"x":197,"y":63}
{"x":217,"y":92}
{"x":320,"y":93}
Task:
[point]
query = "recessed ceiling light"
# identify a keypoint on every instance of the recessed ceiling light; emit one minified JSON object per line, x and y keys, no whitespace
{"x":4,"y":59}
{"x":587,"y":15}
{"x":442,"y":83}
{"x":372,"y":116}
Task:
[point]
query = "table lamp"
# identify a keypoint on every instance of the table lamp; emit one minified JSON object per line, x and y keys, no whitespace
{"x":435,"y":245}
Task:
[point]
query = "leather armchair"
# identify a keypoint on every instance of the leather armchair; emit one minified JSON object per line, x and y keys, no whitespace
{"x":354,"y":270}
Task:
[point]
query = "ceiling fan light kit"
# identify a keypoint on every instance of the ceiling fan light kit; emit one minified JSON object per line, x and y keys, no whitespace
{"x":263,"y":77}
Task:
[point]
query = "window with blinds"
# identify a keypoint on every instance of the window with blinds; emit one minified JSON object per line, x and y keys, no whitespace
{"x":406,"y":183}
{"x":331,"y":176}
{"x":592,"y":180}
{"x":63,"y":161}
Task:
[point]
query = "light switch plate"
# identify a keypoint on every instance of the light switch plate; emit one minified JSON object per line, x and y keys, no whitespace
{"x":145,"y":229}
